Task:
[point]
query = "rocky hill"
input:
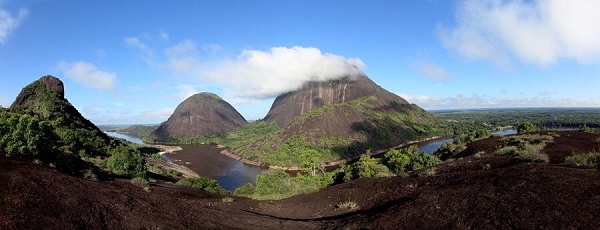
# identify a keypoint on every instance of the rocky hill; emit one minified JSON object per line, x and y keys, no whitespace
{"x":46,"y":98}
{"x":313,"y":95}
{"x":340,"y":118}
{"x":202,"y":114}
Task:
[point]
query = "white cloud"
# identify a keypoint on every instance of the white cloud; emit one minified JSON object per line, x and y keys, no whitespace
{"x":185,"y":91}
{"x":482,"y":101}
{"x":548,"y":92}
{"x":87,"y":74}
{"x":257,"y":74}
{"x":432,"y":71}
{"x":4,"y":102}
{"x":8,"y":22}
{"x":537,"y":32}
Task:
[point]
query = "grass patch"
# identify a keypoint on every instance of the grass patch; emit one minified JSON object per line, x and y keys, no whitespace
{"x":531,"y":153}
{"x":584,"y":160}
{"x":141,"y":182}
{"x":427,"y":172}
{"x":349,"y":205}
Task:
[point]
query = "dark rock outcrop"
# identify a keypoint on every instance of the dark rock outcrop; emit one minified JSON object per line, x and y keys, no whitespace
{"x":51,"y":83}
{"x":202,"y":114}
{"x":316,"y":94}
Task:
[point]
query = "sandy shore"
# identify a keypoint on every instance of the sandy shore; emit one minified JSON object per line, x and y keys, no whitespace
{"x":167,"y":148}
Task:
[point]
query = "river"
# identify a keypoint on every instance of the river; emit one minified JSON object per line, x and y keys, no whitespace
{"x":433,"y":145}
{"x":206,"y":160}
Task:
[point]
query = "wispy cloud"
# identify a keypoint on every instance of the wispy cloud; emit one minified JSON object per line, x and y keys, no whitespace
{"x":539,"y":32}
{"x":431,"y":70}
{"x":148,"y":54}
{"x":4,"y":102}
{"x":163,"y":35}
{"x":483,"y":101}
{"x":183,"y":57}
{"x":121,"y":114}
{"x":87,"y":74}
{"x":184,"y":91}
{"x":8,"y":22}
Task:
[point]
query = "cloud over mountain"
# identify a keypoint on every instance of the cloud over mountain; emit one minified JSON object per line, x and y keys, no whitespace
{"x":257,"y":74}
{"x":539,"y":32}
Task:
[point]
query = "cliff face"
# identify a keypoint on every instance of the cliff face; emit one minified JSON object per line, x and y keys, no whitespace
{"x":200,"y":115}
{"x":316,"y":94}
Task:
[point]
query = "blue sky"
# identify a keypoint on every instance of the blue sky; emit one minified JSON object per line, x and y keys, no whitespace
{"x":135,"y":61}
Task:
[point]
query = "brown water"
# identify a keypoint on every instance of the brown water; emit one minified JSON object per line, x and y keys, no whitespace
{"x":206,"y":160}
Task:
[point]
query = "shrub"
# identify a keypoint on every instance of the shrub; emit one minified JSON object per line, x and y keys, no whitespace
{"x":526,"y":127}
{"x":273,"y":182}
{"x":584,"y":160}
{"x":245,"y":190}
{"x":206,"y":184}
{"x":532,"y":153}
{"x":369,"y":167}
{"x":397,"y":160}
{"x":126,"y":161}
{"x":508,"y":150}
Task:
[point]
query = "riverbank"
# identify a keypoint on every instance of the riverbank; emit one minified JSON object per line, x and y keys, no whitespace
{"x":167,"y":148}
{"x":327,"y":164}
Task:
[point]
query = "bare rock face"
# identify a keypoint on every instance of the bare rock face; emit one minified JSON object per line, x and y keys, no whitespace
{"x":316,"y":94}
{"x":51,"y":83}
{"x":202,"y":114}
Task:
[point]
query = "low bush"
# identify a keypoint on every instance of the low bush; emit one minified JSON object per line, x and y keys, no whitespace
{"x":206,"y":184}
{"x":508,"y":150}
{"x":584,"y":160}
{"x":245,"y":190}
{"x":531,"y":153}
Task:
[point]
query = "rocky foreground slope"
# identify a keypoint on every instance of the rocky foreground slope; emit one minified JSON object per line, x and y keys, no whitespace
{"x":478,"y":190}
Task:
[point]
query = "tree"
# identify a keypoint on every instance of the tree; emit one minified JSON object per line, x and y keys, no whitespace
{"x":526,"y":127}
{"x":126,"y":161}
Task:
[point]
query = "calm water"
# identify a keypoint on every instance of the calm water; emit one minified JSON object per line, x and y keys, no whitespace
{"x":206,"y":160}
{"x":434,"y":145}
{"x":128,"y":138}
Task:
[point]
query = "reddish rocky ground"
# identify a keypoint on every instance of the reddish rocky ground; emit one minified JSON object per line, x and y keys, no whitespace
{"x":477,"y":191}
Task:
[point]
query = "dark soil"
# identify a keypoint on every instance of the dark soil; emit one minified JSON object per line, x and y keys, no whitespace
{"x":476,"y":191}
